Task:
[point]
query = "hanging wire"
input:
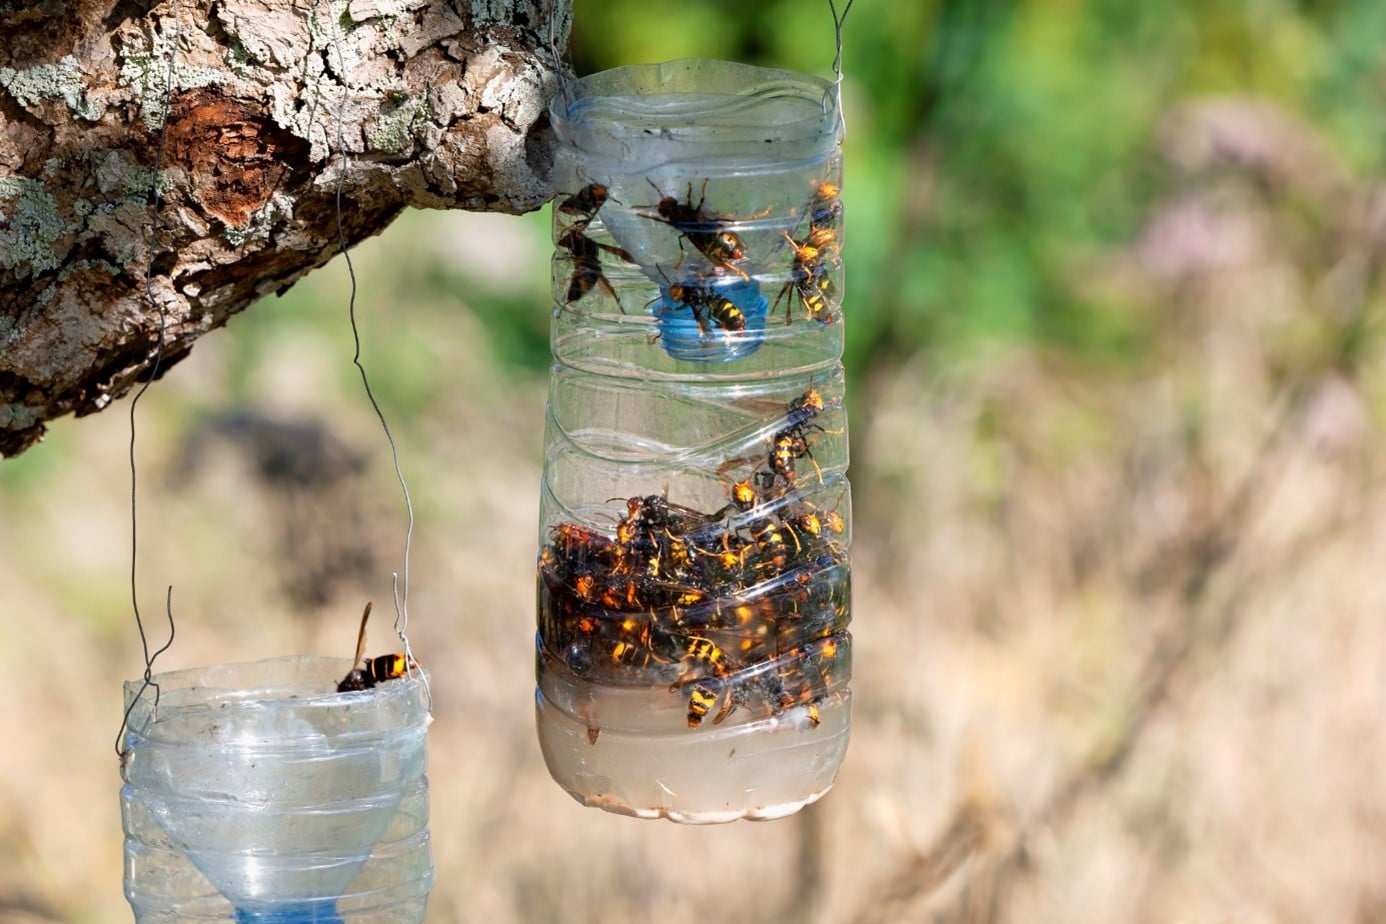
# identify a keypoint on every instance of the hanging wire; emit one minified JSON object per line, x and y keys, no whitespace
{"x":558,"y":66}
{"x":837,"y":28}
{"x":153,"y":209}
{"x":833,"y":96}
{"x":561,"y":73}
{"x":399,"y":588}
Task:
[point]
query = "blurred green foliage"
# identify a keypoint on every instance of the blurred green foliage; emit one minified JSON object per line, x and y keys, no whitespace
{"x":994,"y":145}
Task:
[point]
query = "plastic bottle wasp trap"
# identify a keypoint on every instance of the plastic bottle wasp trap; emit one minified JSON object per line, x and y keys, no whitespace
{"x":694,"y":580}
{"x":284,"y":791}
{"x":258,"y":793}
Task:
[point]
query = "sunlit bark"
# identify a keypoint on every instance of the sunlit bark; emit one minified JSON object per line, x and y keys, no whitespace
{"x":271,"y":107}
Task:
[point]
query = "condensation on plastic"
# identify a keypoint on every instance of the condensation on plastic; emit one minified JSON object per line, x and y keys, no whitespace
{"x":256,"y":793}
{"x":650,"y":403}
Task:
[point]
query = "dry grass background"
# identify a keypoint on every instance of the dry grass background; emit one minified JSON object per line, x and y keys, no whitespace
{"x":1120,"y":647}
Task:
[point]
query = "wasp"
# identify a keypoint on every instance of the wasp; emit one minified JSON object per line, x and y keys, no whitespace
{"x":729,"y":560}
{"x":723,"y":561}
{"x":640,"y":645}
{"x":707,"y":304}
{"x":706,"y":653}
{"x":809,"y":279}
{"x":655,"y":513}
{"x":705,"y":690}
{"x":638,"y":549}
{"x":808,"y":522}
{"x":627,"y":531}
{"x":704,"y":696}
{"x":721,"y":247}
{"x":749,"y":624}
{"x":802,"y":410}
{"x":791,"y":442}
{"x":787,"y":446}
{"x":622,"y":596}
{"x":684,"y":596}
{"x":586,"y":202}
{"x":585,"y":252}
{"x":389,"y":667}
{"x":579,"y":541}
{"x":825,"y":208}
{"x":577,"y":550}
{"x":584,"y":585}
{"x":744,"y":496}
{"x":587,"y":262}
{"x":807,"y":676}
{"x":371,"y":671}
{"x":771,"y":549}
{"x":674,"y":557}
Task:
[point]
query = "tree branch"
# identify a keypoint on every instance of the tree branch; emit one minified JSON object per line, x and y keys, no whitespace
{"x":271,"y":105}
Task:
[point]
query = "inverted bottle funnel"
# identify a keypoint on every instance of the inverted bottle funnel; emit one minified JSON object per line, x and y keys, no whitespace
{"x":256,"y":793}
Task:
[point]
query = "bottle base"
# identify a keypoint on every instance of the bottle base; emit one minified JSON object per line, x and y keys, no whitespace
{"x":758,"y":770}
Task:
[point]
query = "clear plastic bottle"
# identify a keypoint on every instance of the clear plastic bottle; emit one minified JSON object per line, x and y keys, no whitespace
{"x":694,"y":579}
{"x":257,"y":793}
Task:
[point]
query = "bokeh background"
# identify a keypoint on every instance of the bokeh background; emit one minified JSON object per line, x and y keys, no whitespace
{"x":1114,"y":347}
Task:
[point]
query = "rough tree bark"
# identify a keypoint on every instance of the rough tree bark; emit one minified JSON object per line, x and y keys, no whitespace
{"x":269,"y":104}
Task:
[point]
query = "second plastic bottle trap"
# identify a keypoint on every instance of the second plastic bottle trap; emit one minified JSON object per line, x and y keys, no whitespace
{"x":693,"y":653}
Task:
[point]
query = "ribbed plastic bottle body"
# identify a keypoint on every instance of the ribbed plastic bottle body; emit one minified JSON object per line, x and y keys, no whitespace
{"x":695,"y":519}
{"x":255,"y":792}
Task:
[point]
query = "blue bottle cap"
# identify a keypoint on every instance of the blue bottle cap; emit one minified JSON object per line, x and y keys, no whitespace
{"x":320,"y":911}
{"x":714,"y":319}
